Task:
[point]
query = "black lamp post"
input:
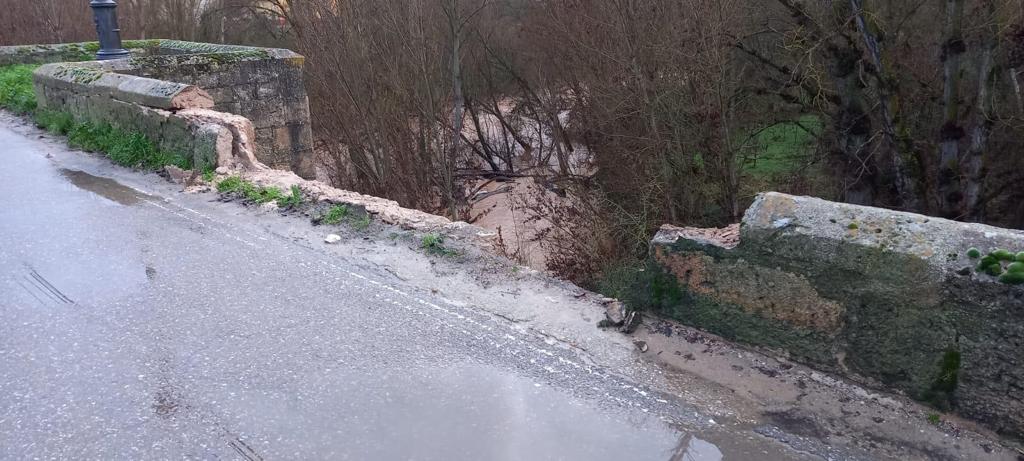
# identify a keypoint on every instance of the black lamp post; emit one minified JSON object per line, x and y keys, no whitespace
{"x":105,"y":14}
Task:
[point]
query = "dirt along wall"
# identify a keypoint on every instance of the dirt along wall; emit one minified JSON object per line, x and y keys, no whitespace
{"x":930,"y":307}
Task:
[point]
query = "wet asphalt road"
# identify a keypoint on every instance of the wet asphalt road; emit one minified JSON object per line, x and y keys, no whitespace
{"x":137,"y":327}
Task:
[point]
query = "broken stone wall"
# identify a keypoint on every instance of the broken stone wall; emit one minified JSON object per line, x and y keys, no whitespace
{"x":175,"y":116}
{"x":886,"y":298}
{"x":263,"y":85}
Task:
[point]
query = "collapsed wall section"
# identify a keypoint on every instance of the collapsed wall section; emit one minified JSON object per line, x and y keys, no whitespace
{"x":887,"y":298}
{"x":175,"y":116}
{"x":263,"y":85}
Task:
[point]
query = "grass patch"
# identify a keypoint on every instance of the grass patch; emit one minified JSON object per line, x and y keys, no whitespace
{"x":340,"y":213}
{"x":258,"y":194}
{"x":125,"y":148}
{"x":784,"y":148}
{"x":336,"y":214}
{"x":16,"y":93}
{"x":433,"y":243}
{"x":292,"y":200}
{"x":362,"y":223}
{"x":55,"y":122}
{"x":229,"y":184}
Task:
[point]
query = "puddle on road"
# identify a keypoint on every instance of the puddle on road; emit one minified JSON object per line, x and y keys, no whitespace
{"x":104,"y":187}
{"x":464,"y":411}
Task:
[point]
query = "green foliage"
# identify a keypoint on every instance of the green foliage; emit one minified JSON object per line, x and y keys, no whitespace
{"x":934,"y":419}
{"x":55,"y":122}
{"x":16,"y":93}
{"x":229,"y":184}
{"x":335,"y":214}
{"x":973,"y":253}
{"x":363,"y":223}
{"x":433,"y":243}
{"x":259,"y":194}
{"x":130,"y":149}
{"x":339,"y":213}
{"x":208,"y":173}
{"x":853,"y":226}
{"x":1015,"y":267}
{"x":292,"y":200}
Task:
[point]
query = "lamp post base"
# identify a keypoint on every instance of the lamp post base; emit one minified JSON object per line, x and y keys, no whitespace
{"x":105,"y":55}
{"x":105,"y":14}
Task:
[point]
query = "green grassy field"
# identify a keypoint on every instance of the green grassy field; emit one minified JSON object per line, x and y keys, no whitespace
{"x":784,"y":148}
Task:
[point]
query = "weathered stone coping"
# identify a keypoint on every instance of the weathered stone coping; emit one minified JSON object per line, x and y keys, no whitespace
{"x":128,"y":88}
{"x":143,"y":52}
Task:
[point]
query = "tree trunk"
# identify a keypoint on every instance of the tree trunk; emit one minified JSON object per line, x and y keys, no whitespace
{"x":903,"y":181}
{"x":975,"y":175}
{"x":458,"y":106}
{"x":953,"y":48}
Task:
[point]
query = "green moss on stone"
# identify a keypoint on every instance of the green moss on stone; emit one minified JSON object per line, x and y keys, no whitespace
{"x":141,"y":44}
{"x":1012,"y":278}
{"x":987,"y":262}
{"x":974,"y":253}
{"x":1015,"y":267}
{"x":1003,"y":255}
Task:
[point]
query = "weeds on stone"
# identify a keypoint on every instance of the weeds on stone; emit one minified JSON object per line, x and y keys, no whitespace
{"x":934,"y":419}
{"x":433,"y":244}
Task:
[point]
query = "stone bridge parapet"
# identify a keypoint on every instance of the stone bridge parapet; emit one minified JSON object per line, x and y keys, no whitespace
{"x":144,"y":93}
{"x":927,"y":306}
